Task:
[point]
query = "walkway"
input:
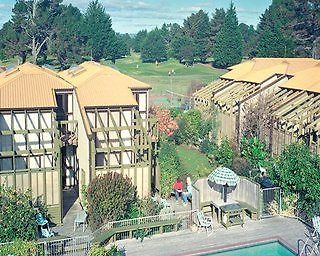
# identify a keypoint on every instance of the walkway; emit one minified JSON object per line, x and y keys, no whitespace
{"x":185,"y":242}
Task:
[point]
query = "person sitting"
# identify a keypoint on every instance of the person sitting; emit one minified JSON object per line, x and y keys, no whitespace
{"x":177,"y":188}
{"x":187,"y":194}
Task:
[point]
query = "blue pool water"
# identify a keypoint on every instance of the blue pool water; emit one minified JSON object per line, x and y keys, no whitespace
{"x":266,"y":249}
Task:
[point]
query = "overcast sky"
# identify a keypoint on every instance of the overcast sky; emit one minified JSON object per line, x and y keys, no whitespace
{"x":131,"y":16}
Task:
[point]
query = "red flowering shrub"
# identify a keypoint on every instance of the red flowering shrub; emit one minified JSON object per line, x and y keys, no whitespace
{"x":167,"y":125}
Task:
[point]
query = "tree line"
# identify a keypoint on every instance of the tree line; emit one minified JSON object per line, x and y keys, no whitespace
{"x":287,"y":28}
{"x":48,"y":31}
{"x":44,"y":29}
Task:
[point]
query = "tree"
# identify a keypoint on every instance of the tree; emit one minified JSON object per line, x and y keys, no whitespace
{"x":274,"y":35}
{"x":139,"y":39}
{"x":67,"y":43}
{"x":249,"y":36}
{"x":99,"y":35}
{"x":153,"y":48}
{"x":316,"y":48}
{"x":183,"y":49}
{"x":166,"y":124}
{"x":216,"y":23}
{"x":197,"y":28}
{"x":229,"y":43}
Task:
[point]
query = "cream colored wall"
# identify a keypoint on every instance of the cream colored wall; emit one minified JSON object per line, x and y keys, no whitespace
{"x":83,"y":152}
{"x":140,"y":177}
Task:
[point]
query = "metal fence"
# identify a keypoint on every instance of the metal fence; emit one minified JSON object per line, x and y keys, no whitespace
{"x":270,"y":202}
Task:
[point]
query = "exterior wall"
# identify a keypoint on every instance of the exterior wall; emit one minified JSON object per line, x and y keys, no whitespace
{"x":83,"y":151}
{"x":36,"y":171}
{"x":140,"y":177}
{"x":226,"y":126}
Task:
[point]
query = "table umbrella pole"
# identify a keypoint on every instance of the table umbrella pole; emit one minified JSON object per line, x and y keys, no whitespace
{"x":225,"y":192}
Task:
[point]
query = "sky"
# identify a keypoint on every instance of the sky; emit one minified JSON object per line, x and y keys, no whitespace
{"x":130,"y":16}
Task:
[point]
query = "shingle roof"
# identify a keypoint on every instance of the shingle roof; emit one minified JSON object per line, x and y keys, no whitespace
{"x":99,"y":86}
{"x":29,"y":86}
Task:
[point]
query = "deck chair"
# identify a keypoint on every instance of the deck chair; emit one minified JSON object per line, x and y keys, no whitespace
{"x":313,"y":240}
{"x":44,"y":226}
{"x":205,"y":222}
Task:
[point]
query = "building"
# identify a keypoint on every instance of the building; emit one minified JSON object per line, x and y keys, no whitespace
{"x":292,"y":87}
{"x":60,"y":130}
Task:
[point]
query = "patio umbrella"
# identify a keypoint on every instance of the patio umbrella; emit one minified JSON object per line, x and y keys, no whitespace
{"x":225,"y":177}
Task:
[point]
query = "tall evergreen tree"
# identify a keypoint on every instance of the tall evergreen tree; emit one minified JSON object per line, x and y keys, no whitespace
{"x":98,"y":32}
{"x":217,"y":21}
{"x":153,"y":48}
{"x":139,"y":39}
{"x":249,"y":36}
{"x":183,"y":49}
{"x":274,"y":30}
{"x":229,"y":43}
{"x":197,"y":28}
{"x":67,"y":43}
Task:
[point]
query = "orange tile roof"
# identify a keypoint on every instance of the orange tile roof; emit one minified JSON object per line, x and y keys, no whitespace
{"x":259,"y":69}
{"x":29,"y":86}
{"x":100,"y":86}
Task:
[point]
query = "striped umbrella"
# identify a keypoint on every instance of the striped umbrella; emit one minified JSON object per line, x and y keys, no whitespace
{"x":225,"y":177}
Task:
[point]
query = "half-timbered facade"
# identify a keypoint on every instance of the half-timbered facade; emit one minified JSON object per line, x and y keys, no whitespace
{"x":59,"y":130}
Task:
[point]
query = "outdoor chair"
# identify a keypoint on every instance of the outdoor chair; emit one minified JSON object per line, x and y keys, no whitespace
{"x":80,"y":219}
{"x":314,"y":237}
{"x":205,"y":222}
{"x":44,"y":226}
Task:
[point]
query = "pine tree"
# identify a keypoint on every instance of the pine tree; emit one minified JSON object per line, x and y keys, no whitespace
{"x":98,"y":32}
{"x":67,"y":45}
{"x":274,"y":30}
{"x":139,"y":39}
{"x":197,"y":28}
{"x":153,"y":48}
{"x":249,"y":36}
{"x":229,"y":43}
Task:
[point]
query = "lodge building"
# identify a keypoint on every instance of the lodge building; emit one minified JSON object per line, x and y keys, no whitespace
{"x":291,"y":87}
{"x":60,"y":130}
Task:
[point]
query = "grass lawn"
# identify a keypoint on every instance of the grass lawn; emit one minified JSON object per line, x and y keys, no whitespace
{"x":194,"y":161}
{"x":157,"y":76}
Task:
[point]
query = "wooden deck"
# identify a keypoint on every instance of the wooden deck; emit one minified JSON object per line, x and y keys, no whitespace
{"x":196,"y":243}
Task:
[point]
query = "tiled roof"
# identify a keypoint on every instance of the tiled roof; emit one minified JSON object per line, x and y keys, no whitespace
{"x":29,"y":86}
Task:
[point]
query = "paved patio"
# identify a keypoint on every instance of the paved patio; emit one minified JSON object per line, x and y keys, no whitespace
{"x":189,"y":243}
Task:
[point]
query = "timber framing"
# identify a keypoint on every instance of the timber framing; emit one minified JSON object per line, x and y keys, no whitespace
{"x":295,"y":113}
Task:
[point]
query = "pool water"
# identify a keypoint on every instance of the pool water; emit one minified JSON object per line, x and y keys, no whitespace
{"x":266,"y":249}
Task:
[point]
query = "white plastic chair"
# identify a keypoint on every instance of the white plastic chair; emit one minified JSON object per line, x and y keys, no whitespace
{"x":205,"y":222}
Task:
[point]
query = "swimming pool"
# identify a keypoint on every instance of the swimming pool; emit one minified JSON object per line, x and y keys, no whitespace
{"x":274,"y":248}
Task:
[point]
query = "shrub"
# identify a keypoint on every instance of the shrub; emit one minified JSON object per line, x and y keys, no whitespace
{"x":17,"y":215}
{"x":297,"y":172}
{"x":241,"y":166}
{"x":102,"y":251}
{"x":224,"y":153}
{"x":170,"y":167}
{"x":20,"y":248}
{"x":144,"y":207}
{"x":166,"y":124}
{"x":109,"y":198}
{"x":254,"y":151}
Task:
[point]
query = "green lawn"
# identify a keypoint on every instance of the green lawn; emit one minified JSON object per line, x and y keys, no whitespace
{"x":194,"y":162}
{"x":157,"y":76}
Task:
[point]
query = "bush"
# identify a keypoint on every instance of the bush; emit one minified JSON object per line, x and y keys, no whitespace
{"x":224,"y":153}
{"x":144,"y":207}
{"x":254,"y":151}
{"x":208,"y":147}
{"x":110,"y":196}
{"x":20,"y":248}
{"x":297,"y":172}
{"x":241,"y":167}
{"x":17,"y":215}
{"x":102,"y":251}
{"x":170,"y":167}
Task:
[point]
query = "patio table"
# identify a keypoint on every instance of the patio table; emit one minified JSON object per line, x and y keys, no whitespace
{"x":218,"y":204}
{"x":232,"y":214}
